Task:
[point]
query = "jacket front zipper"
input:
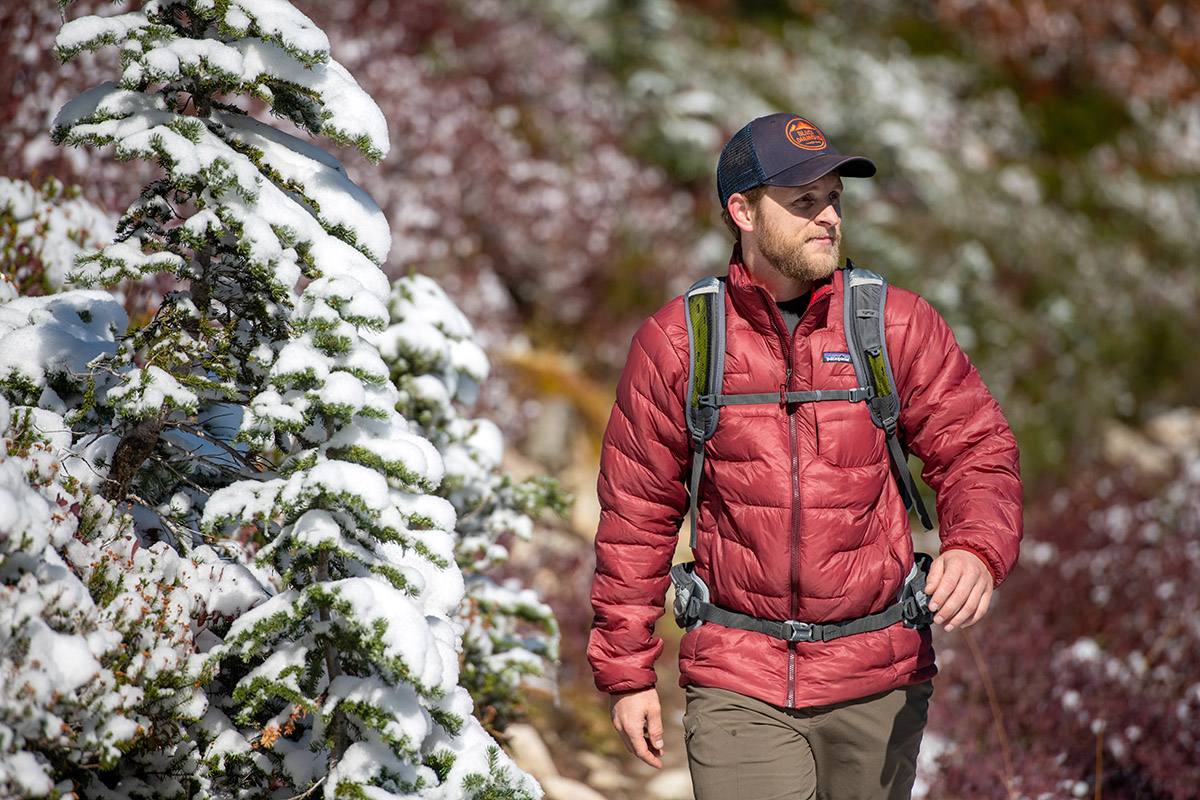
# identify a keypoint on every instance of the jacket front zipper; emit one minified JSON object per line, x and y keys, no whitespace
{"x":794,"y":440}
{"x":787,"y":340}
{"x":795,"y":543}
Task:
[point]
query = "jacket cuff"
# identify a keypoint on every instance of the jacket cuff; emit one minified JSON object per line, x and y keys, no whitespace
{"x":624,"y":687}
{"x":986,"y":562}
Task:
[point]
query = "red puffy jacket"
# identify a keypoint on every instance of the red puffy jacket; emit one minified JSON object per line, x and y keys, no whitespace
{"x":800,"y":517}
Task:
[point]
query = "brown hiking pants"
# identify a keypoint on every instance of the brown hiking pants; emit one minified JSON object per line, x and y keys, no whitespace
{"x":740,"y":748}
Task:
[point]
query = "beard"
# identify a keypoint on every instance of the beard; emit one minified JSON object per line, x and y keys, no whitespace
{"x":789,"y":256}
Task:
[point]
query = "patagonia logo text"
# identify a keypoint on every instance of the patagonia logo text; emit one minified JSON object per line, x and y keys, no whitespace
{"x":839,"y":357}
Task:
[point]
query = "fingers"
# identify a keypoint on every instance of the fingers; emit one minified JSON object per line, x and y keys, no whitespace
{"x":638,"y":719}
{"x":960,"y":588}
{"x":966,"y":605}
{"x":644,"y":744}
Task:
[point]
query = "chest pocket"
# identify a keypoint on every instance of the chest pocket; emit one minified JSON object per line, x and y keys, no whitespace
{"x":846,"y":436}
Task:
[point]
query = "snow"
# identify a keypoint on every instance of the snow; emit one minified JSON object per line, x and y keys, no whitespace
{"x":292,"y":51}
{"x":78,"y":32}
{"x":63,"y":662}
{"x":394,"y":443}
{"x":24,"y":770}
{"x":142,"y":127}
{"x":283,"y":665}
{"x":211,"y":567}
{"x":271,"y":410}
{"x":220,"y":587}
{"x":471,"y":749}
{"x":282,"y":21}
{"x":62,"y":332}
{"x":148,"y":390}
{"x":1084,"y":650}
{"x":323,"y":178}
{"x":410,"y":722}
{"x":22,"y":513}
{"x":300,"y":359}
{"x":189,"y":55}
{"x":439,"y":591}
{"x":365,"y":762}
{"x":372,"y":600}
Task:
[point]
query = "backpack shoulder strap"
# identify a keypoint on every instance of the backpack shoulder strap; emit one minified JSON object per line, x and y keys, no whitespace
{"x":865,"y":298}
{"x":705,"y":307}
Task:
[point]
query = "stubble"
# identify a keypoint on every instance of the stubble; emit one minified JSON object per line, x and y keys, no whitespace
{"x":794,"y":261}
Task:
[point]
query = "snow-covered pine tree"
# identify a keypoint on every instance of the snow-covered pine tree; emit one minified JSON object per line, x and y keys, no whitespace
{"x":55,"y":715}
{"x":101,"y":670}
{"x":436,"y":363}
{"x":252,"y":414}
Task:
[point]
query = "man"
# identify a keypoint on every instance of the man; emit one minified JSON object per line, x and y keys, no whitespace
{"x":799,"y":517}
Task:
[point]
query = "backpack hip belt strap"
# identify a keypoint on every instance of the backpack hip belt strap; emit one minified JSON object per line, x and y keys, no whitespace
{"x":693,"y":609}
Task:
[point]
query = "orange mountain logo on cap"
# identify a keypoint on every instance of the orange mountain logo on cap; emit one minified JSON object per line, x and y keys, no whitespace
{"x":805,"y":135}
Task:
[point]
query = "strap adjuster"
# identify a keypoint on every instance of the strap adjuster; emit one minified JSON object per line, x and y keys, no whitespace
{"x":796,"y":631}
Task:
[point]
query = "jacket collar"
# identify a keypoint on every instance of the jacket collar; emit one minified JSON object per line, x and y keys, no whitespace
{"x":753,"y":303}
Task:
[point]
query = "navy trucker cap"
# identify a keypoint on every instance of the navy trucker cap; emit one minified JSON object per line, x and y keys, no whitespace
{"x":781,"y":150}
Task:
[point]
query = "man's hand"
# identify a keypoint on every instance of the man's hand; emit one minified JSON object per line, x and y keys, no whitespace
{"x":637,"y":716}
{"x":960,"y":588}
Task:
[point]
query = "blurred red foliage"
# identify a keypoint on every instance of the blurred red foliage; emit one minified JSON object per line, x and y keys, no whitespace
{"x":1143,"y":50}
{"x":509,"y":178}
{"x":1092,"y":653}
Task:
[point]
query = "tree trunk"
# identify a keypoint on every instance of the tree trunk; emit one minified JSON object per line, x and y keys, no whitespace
{"x":134,"y":448}
{"x":341,"y":737}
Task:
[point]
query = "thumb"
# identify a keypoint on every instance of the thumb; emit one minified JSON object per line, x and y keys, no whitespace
{"x":936,"y":570}
{"x":654,"y":731}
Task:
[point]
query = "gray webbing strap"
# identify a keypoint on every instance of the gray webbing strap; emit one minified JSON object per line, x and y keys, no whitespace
{"x":697,"y":469}
{"x":856,"y":395}
{"x":906,"y":478}
{"x":792,"y":630}
{"x":911,"y":608}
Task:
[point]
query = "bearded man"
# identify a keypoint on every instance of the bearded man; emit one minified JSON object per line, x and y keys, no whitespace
{"x":799,"y":521}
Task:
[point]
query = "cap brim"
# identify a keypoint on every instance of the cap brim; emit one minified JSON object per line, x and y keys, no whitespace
{"x":817,"y":167}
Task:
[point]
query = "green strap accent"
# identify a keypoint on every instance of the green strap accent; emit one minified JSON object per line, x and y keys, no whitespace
{"x":705,"y":311}
{"x":701,"y":343}
{"x":879,"y":372}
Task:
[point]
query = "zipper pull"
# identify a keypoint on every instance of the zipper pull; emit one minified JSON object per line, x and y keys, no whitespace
{"x":783,"y":387}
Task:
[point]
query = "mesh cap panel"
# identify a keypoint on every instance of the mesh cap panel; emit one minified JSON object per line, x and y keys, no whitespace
{"x":738,"y":169}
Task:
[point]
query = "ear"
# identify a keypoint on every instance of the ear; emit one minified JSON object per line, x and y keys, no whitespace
{"x":741,"y":211}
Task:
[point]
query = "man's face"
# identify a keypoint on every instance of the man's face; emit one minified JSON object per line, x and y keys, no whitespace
{"x":798,"y":229}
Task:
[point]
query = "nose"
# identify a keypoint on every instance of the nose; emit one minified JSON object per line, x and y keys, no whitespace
{"x":830,"y":216}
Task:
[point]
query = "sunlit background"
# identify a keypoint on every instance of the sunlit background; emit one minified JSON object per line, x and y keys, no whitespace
{"x":1039,"y":182}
